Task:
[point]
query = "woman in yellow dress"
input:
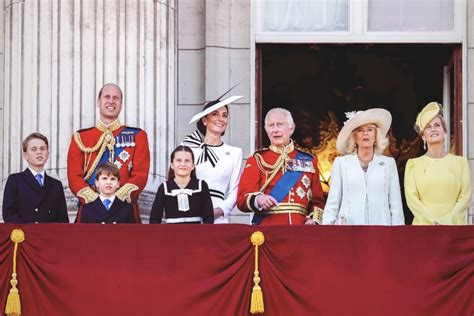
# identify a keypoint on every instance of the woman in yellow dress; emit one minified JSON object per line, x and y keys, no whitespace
{"x":437,"y":184}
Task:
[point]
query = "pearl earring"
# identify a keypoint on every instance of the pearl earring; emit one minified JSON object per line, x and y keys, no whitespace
{"x":424,"y":144}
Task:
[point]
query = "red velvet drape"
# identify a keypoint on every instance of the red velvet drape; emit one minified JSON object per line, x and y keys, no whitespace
{"x":87,"y":269}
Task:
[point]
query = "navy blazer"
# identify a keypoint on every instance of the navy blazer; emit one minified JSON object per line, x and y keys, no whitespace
{"x":95,"y":212}
{"x":25,"y":201}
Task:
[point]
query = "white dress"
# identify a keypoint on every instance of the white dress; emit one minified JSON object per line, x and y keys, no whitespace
{"x":220,"y":167}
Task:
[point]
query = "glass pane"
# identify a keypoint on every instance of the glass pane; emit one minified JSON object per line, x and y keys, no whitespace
{"x":411,"y":15}
{"x":305,"y":15}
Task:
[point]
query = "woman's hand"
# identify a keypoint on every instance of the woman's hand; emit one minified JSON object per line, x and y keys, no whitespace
{"x":218,"y":212}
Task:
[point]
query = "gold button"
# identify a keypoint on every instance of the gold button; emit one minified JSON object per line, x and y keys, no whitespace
{"x":36,"y":210}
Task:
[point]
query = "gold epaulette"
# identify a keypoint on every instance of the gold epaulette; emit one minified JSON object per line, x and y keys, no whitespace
{"x":87,"y":194}
{"x":125,"y":192}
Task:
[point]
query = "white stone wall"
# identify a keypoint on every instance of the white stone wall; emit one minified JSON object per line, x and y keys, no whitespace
{"x":59,"y":53}
{"x":213,"y":55}
{"x":2,"y":103}
{"x":470,"y":95}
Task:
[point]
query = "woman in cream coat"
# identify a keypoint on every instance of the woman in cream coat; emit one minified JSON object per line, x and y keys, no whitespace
{"x":364,"y":183}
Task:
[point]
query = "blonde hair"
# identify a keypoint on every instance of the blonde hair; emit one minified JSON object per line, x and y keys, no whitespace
{"x":381,"y":142}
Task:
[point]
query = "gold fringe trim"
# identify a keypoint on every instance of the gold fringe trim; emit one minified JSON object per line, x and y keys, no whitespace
{"x":13,"y":306}
{"x":88,"y":194}
{"x":256,"y":301}
{"x":125,"y":192}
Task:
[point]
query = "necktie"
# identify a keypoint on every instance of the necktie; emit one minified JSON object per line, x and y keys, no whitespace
{"x":107,"y":204}
{"x":39,"y":178}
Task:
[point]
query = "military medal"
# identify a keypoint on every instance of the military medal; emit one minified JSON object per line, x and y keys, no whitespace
{"x":124,"y":155}
{"x":306,"y":182}
{"x":300,"y":165}
{"x":301,"y":193}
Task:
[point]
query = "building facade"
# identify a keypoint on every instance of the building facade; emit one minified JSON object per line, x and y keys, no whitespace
{"x":171,"y":56}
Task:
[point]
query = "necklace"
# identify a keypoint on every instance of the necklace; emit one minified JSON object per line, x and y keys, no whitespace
{"x":436,"y":156}
{"x":364,"y":164}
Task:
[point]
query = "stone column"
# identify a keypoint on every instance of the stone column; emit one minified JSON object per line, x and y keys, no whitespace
{"x":213,"y":55}
{"x":470,"y":96}
{"x":2,"y":103}
{"x":59,"y":53}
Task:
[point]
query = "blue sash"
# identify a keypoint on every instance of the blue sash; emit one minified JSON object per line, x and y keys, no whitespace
{"x":283,"y":186}
{"x":126,"y":132}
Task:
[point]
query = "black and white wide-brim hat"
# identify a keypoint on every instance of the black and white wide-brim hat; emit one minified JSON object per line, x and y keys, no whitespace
{"x":213,"y":107}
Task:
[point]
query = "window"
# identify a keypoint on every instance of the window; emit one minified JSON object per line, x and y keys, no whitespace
{"x":410,"y":15}
{"x":305,"y":15}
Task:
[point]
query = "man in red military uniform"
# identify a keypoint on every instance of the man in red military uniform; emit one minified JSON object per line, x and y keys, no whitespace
{"x":127,"y":147}
{"x":281,"y":184}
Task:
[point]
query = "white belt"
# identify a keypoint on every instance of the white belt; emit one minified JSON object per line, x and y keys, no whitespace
{"x":184,"y":220}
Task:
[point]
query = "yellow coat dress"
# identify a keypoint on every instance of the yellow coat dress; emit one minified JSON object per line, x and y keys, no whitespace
{"x":438,"y":189}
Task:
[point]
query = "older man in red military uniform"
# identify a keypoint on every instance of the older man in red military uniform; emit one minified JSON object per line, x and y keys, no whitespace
{"x":127,"y":147}
{"x":281,"y":184}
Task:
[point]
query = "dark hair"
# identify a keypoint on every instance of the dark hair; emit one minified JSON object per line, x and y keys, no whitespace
{"x":110,"y":84}
{"x":25,"y":142}
{"x":200,"y":124}
{"x":107,"y":168}
{"x":177,"y":149}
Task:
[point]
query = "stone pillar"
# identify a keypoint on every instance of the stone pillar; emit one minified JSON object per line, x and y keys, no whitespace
{"x":59,"y":53}
{"x":2,"y":103}
{"x":470,"y":96}
{"x":213,"y":55}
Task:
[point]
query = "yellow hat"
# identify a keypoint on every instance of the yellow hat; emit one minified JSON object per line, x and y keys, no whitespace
{"x":429,"y":112}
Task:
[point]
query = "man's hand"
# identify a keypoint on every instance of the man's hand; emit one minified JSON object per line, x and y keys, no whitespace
{"x":266,"y":201}
{"x":310,"y":221}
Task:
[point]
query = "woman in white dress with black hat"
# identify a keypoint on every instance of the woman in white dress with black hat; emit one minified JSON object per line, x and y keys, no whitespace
{"x":364,"y":183}
{"x":217,"y":163}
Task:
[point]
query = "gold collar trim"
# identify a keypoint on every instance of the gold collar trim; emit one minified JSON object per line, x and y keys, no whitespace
{"x":287,"y":149}
{"x":115,"y":125}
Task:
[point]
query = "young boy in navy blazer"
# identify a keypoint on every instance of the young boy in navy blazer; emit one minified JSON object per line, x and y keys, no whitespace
{"x":32,"y":196}
{"x":107,"y":209}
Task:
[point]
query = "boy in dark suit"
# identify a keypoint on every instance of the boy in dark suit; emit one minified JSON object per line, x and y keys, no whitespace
{"x":107,"y":208}
{"x":32,"y":196}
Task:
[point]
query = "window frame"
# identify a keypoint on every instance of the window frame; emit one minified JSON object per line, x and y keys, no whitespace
{"x":358,"y":29}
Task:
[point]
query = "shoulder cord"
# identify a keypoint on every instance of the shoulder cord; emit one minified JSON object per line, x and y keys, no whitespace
{"x":270,"y":175}
{"x":106,"y":141}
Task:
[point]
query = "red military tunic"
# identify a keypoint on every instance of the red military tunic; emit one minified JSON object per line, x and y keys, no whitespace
{"x":125,"y":146}
{"x":304,"y":197}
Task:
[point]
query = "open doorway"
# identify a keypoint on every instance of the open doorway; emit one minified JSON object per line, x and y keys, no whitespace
{"x":319,"y":82}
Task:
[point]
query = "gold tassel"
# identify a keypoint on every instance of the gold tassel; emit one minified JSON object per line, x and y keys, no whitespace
{"x":256,"y":301}
{"x":13,"y":306}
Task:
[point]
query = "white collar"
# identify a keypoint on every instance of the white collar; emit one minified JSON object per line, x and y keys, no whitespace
{"x":111,"y":199}
{"x":42,"y":173}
